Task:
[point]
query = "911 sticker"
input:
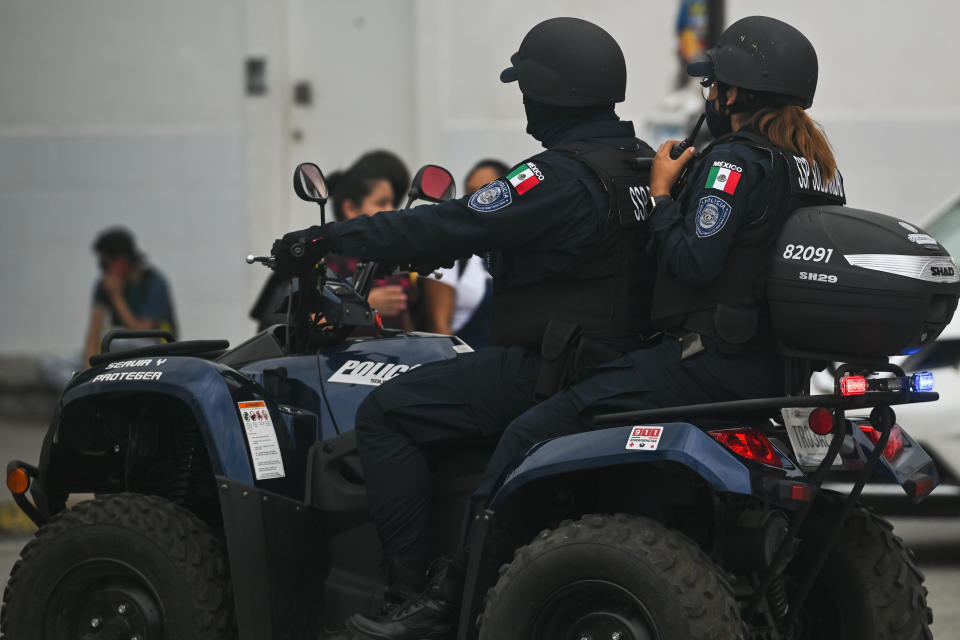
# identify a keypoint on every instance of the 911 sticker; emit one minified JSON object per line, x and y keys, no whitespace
{"x":644,"y":438}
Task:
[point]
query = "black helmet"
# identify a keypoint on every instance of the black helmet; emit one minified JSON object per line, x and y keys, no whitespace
{"x":568,"y":62}
{"x":766,"y":55}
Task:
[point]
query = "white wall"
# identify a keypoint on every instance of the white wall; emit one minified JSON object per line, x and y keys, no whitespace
{"x":134,"y":112}
{"x":118,"y":113}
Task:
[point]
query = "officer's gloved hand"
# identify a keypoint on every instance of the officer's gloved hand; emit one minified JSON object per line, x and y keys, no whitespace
{"x":296,"y":252}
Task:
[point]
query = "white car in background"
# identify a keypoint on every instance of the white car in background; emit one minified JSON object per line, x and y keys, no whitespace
{"x":935,"y":425}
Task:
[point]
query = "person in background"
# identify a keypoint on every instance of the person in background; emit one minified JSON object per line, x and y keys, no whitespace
{"x":363,"y":190}
{"x":375,"y":182}
{"x":129,"y":294}
{"x":390,"y":165}
{"x":459,"y":301}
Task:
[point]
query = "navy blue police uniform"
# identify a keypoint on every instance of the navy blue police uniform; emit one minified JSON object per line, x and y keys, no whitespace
{"x":554,"y":240}
{"x":713,"y":245}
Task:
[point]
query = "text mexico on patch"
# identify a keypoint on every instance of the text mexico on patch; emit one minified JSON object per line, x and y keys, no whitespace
{"x":643,"y":438}
{"x":525,"y":177}
{"x":724,"y":176}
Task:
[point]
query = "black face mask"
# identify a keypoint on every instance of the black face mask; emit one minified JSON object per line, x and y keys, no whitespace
{"x":530,"y":109}
{"x":718,"y":123}
{"x":544,"y":120}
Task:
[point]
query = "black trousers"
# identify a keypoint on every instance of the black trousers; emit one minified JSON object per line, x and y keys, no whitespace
{"x":492,"y":390}
{"x":471,"y":396}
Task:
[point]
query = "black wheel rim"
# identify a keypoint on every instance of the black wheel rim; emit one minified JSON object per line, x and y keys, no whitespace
{"x":103,"y":599}
{"x":592,"y":610}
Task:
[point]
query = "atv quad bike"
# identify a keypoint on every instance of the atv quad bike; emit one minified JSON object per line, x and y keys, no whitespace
{"x":229,"y":501}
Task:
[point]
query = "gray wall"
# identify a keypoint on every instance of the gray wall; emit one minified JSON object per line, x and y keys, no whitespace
{"x":134,"y":112}
{"x":118,"y":113}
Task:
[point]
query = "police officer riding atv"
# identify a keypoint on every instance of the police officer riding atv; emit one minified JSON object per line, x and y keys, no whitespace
{"x":229,"y":499}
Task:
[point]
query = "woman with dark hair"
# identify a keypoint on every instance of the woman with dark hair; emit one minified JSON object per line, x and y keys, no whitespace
{"x":458,"y":303}
{"x":388,"y":164}
{"x":363,"y":190}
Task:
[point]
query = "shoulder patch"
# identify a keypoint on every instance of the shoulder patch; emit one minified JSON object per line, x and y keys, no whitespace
{"x":493,"y":197}
{"x":724,"y":176}
{"x":525,"y":177}
{"x":712,"y":214}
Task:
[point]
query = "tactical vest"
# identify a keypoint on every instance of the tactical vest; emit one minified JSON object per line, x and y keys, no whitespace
{"x":730,"y":310}
{"x":607,"y":293}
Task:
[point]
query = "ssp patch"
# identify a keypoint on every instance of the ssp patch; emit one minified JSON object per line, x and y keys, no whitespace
{"x":724,"y":176}
{"x":525,"y":177}
{"x":712,"y":214}
{"x":492,"y":197}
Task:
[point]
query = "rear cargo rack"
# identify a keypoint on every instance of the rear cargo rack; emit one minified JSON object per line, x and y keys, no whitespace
{"x":766,"y":405}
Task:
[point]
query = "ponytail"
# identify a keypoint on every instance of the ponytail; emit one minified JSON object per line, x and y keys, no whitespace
{"x":788,"y":126}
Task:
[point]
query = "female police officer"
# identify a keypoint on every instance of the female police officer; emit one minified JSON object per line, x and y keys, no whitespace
{"x":713,"y":243}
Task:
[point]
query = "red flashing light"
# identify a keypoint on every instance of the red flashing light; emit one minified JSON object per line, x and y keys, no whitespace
{"x":820,"y":421}
{"x":748,"y":443}
{"x":801,"y":492}
{"x":853,"y":385}
{"x":894,"y":443}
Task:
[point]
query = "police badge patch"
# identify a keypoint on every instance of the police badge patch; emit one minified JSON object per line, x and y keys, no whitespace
{"x":712,"y":214}
{"x":492,"y":197}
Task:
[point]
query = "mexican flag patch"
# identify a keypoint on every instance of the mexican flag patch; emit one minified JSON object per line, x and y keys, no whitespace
{"x":723,"y":176}
{"x":525,"y":177}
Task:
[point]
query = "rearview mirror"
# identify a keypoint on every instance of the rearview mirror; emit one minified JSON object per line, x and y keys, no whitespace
{"x":432,"y":183}
{"x":308,"y":183}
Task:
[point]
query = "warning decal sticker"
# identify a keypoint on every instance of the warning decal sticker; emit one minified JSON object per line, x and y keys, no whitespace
{"x":644,"y":438}
{"x":262,"y":439}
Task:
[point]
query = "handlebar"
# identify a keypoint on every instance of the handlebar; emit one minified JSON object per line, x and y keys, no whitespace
{"x":266,"y":260}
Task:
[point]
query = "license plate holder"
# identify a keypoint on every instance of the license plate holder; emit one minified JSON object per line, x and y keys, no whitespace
{"x":809,"y":448}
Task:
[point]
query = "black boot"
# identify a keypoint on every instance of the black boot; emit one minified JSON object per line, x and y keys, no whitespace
{"x":431,"y":616}
{"x":406,"y":578}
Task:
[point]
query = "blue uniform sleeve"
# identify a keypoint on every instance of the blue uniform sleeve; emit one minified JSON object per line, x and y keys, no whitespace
{"x":725,"y":191}
{"x":531,"y":209}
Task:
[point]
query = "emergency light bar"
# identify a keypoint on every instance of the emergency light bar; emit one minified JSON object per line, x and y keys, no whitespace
{"x":859,"y":385}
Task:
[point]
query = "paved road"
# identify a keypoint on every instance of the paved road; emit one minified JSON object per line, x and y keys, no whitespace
{"x":935,"y":540}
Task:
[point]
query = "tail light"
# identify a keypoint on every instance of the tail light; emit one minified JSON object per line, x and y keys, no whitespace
{"x":894,"y":443}
{"x":853,"y":385}
{"x":748,"y":443}
{"x":820,"y":421}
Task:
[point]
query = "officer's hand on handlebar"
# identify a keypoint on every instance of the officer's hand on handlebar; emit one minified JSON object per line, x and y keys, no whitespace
{"x":666,"y":170}
{"x":296,"y":252}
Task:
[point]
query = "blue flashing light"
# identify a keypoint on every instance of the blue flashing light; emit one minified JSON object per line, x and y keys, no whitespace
{"x":921,"y":381}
